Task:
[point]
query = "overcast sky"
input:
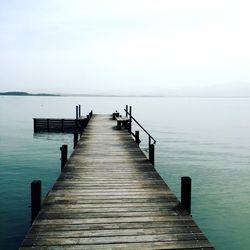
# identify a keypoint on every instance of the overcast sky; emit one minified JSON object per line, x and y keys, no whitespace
{"x":125,"y":46}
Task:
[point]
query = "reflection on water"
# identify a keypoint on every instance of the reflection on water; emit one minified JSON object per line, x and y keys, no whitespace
{"x":52,"y":136}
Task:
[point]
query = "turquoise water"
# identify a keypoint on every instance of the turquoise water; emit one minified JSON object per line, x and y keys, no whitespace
{"x":207,"y":139}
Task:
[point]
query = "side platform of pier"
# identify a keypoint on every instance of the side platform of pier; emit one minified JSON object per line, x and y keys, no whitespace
{"x":109,"y":196}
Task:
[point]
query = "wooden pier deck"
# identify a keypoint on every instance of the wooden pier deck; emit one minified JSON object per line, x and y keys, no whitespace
{"x":109,"y":196}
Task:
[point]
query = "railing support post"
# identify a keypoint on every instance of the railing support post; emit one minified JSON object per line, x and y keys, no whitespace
{"x":64,"y":155}
{"x":126,"y":110}
{"x":36,"y":198}
{"x":137,"y":137}
{"x":129,"y":127}
{"x":77,"y":112}
{"x":130,"y":120}
{"x":79,"y":109}
{"x":186,"y":193}
{"x":151,"y":154}
{"x":75,"y":138}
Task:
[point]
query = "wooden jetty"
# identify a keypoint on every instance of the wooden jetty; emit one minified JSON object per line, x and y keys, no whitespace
{"x":109,"y":196}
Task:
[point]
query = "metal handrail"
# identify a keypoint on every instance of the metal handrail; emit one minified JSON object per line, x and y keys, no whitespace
{"x":150,"y":137}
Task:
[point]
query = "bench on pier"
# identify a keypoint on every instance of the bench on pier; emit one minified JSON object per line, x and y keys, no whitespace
{"x":122,"y":121}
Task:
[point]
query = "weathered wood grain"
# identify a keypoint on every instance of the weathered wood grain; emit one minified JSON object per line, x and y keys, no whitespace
{"x":109,"y":196}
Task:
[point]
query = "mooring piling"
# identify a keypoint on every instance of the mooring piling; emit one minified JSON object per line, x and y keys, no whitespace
{"x":64,"y":155}
{"x":36,"y":198}
{"x":186,"y":193}
{"x":151,"y":153}
{"x":137,"y":137}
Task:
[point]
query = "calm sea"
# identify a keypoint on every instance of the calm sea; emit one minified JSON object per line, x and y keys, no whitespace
{"x":207,"y":139}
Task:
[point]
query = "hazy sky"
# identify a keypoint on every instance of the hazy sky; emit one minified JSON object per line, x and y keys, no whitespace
{"x":125,"y":46}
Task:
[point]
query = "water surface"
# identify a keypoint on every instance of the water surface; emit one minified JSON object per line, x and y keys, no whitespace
{"x":207,"y":139}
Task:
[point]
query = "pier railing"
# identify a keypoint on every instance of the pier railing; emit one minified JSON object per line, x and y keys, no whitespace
{"x":151,"y":140}
{"x":150,"y":137}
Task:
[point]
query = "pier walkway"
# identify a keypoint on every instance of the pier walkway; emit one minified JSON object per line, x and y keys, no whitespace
{"x":109,"y":196}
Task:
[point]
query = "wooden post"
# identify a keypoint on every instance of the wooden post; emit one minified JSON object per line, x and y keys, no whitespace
{"x":76,"y":125}
{"x":129,"y":127}
{"x":64,"y":155}
{"x":186,"y":193}
{"x":36,"y":198}
{"x":126,"y":110}
{"x":151,"y":154}
{"x":77,"y":112}
{"x":149,"y":141}
{"x":75,"y":138}
{"x":79,"y":109}
{"x":130,"y":120}
{"x":137,"y":137}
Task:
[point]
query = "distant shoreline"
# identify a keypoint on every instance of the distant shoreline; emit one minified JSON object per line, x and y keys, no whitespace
{"x":18,"y":93}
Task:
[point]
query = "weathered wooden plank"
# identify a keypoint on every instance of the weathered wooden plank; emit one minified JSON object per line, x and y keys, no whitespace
{"x":101,"y":197}
{"x":100,"y":200}
{"x":107,"y":185}
{"x":187,"y":245}
{"x":111,"y":220}
{"x":36,"y":233}
{"x":82,"y":209}
{"x":112,"y":226}
{"x":115,"y":206}
{"x":45,"y":241}
{"x":105,"y":192}
{"x":110,"y":215}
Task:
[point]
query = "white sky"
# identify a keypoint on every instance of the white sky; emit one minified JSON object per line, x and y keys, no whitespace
{"x":125,"y":46}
